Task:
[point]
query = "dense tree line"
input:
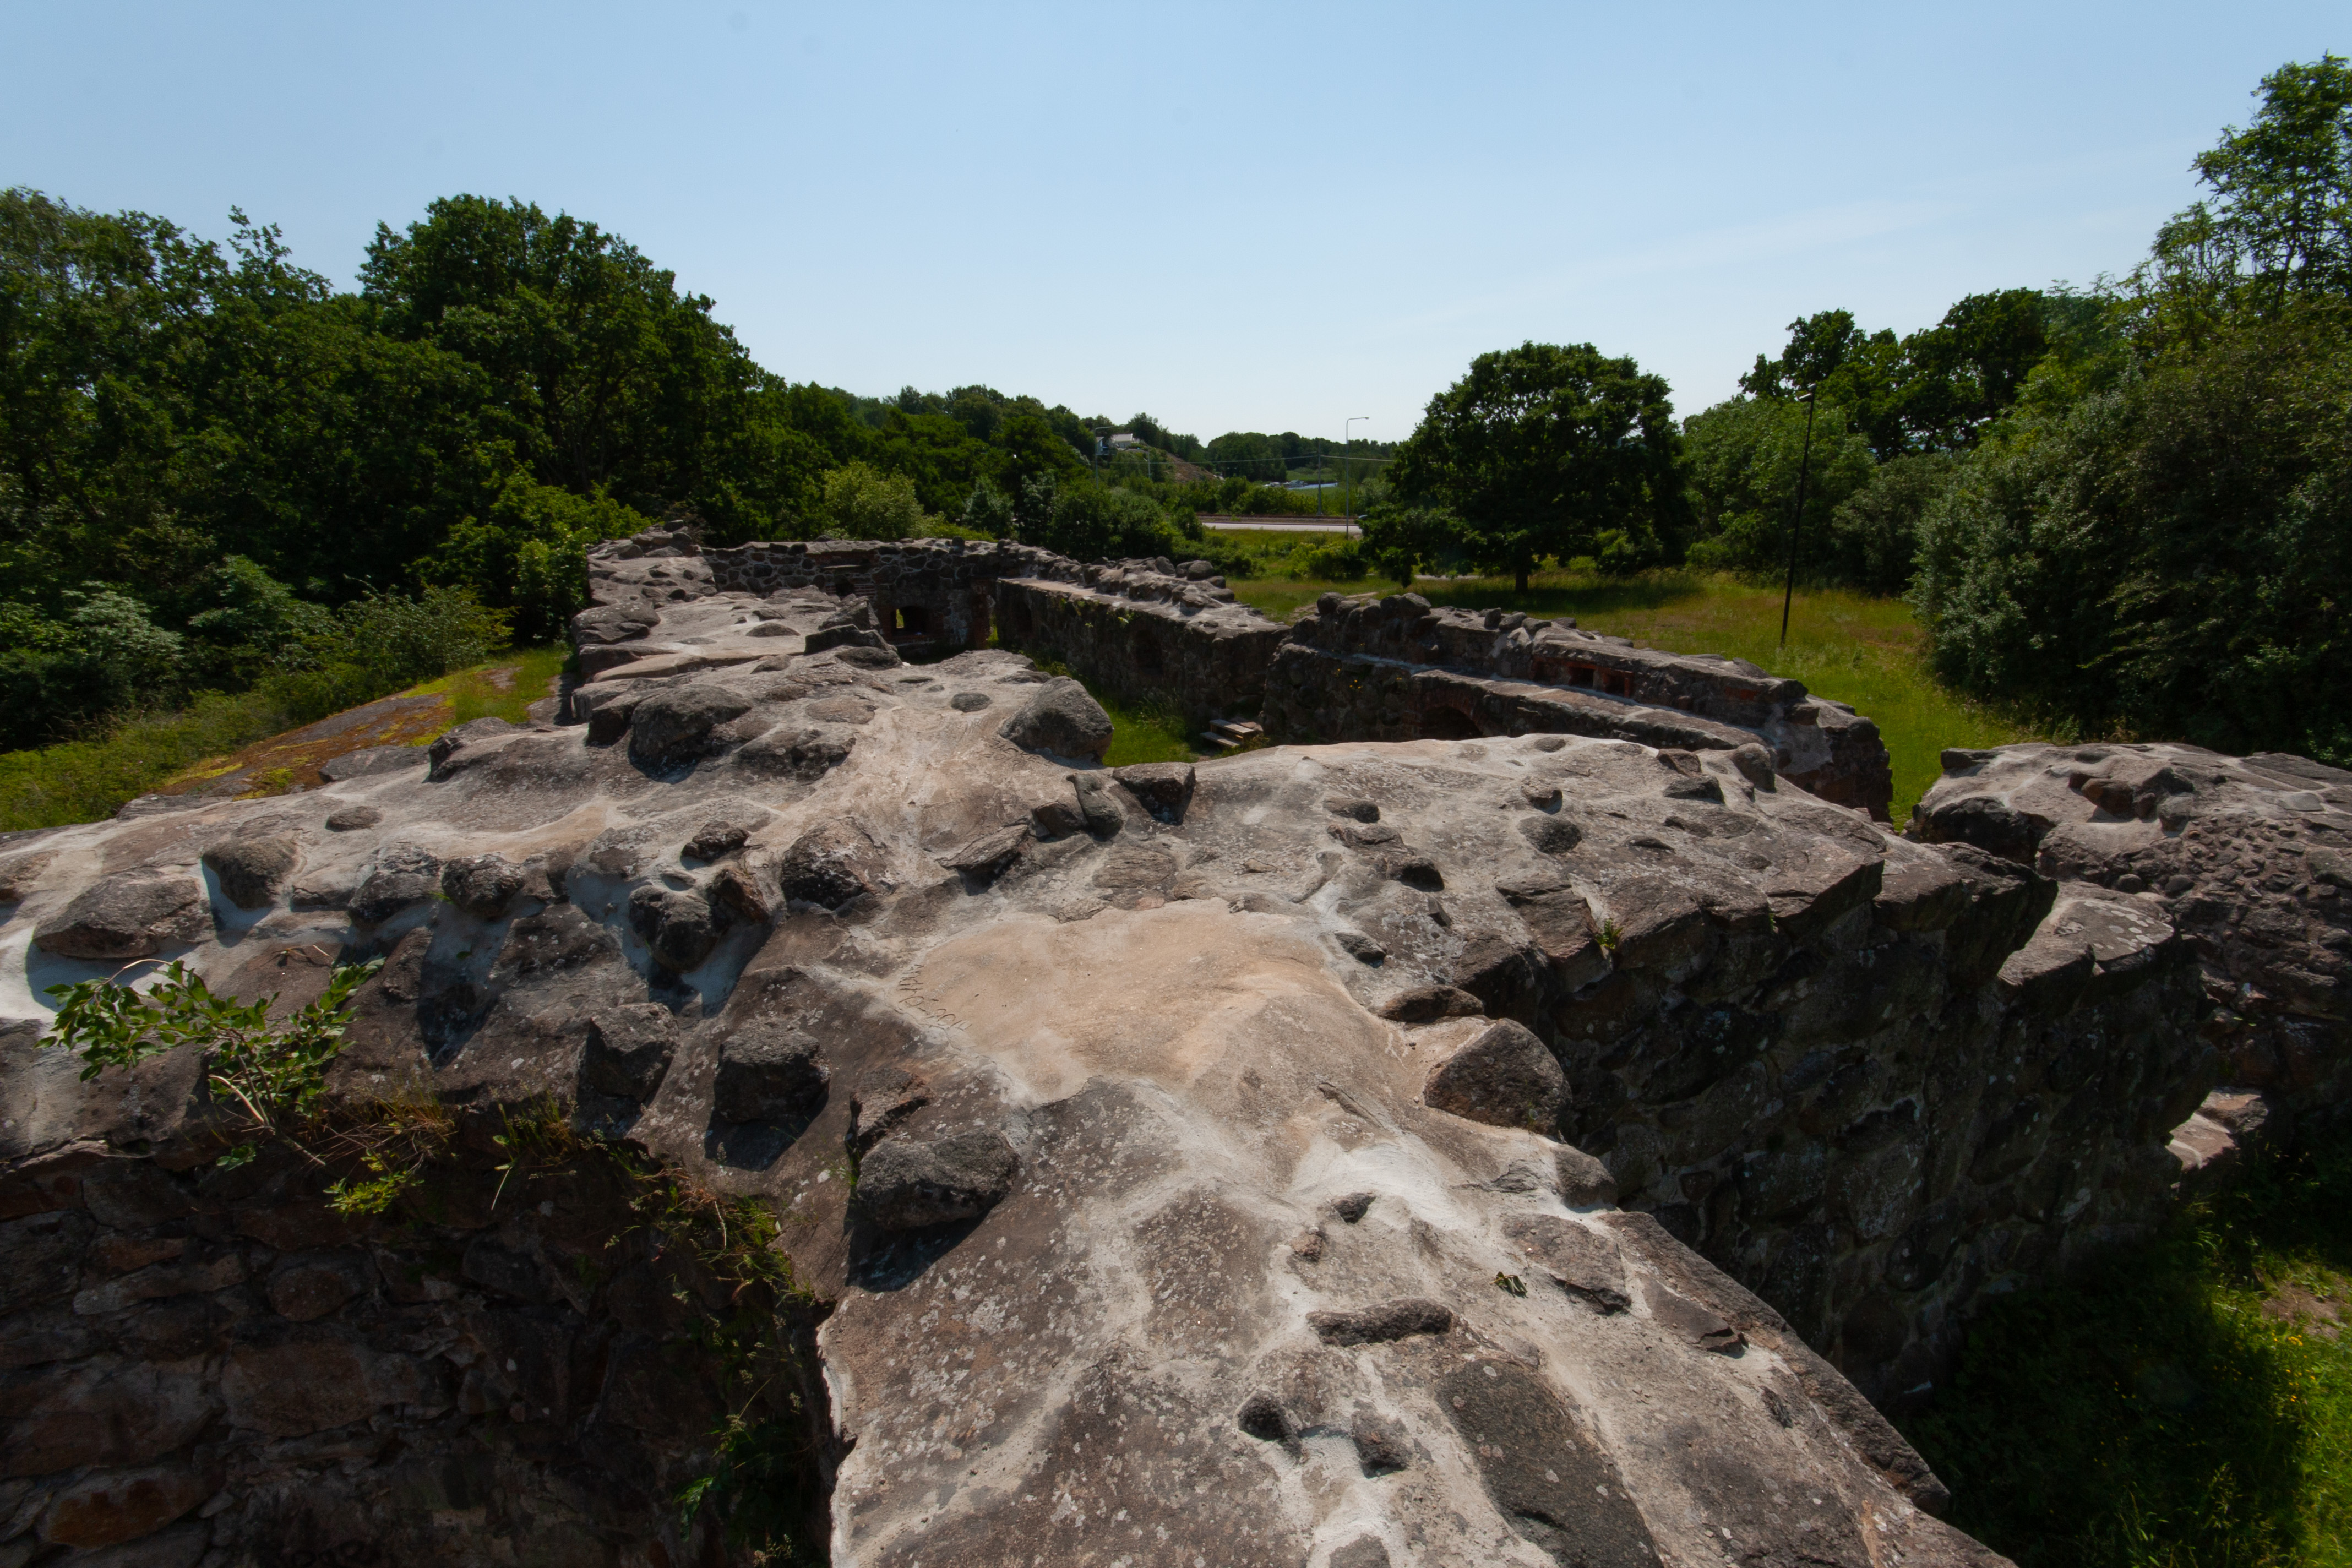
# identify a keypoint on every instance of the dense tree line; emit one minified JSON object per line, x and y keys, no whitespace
{"x":214,"y":467}
{"x":2127,"y":506}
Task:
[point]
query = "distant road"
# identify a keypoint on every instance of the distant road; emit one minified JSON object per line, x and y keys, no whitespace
{"x":1280,"y":525}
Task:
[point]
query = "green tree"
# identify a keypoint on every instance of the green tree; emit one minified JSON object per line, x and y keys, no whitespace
{"x":2280,"y":220}
{"x":862,"y":502}
{"x":1742,"y":459}
{"x":1401,"y":539}
{"x":613,"y":379}
{"x":1541,"y":448}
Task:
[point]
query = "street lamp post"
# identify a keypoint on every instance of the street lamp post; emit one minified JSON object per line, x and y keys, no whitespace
{"x":1797,"y":522}
{"x":1348,"y":494}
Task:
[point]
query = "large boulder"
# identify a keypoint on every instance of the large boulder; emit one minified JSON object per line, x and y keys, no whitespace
{"x":131,"y":914}
{"x":1504,"y":1077}
{"x":401,"y":877}
{"x":252,"y":871}
{"x":768,"y":1072}
{"x":481,"y":885}
{"x":1061,"y":718}
{"x":675,"y":725}
{"x":907,"y":1183}
{"x":629,"y":1048}
{"x":829,"y":865}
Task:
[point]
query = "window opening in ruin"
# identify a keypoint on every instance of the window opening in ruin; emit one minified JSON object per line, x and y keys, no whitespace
{"x":913,"y":621}
{"x":1579,"y":675}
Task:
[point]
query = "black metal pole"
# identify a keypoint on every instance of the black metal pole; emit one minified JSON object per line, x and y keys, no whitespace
{"x":1796,"y":523}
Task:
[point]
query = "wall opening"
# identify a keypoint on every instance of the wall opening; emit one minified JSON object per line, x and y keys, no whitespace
{"x":1449,"y":724}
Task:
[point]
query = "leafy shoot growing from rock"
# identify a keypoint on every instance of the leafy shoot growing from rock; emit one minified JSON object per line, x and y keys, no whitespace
{"x":275,"y":1072}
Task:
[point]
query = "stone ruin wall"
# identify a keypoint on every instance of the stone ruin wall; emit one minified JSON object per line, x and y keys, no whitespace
{"x":220,"y":1368}
{"x":1364,"y":669}
{"x":1869,"y":1077}
{"x":1396,"y":670}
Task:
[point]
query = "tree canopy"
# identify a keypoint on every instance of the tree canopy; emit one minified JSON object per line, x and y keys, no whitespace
{"x":1541,"y":451}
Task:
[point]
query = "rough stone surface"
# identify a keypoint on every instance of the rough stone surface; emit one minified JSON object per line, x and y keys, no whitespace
{"x":1061,"y":718}
{"x":1504,"y":1077}
{"x":252,"y":871}
{"x":2249,"y":858}
{"x":1112,"y":1154}
{"x":131,"y":914}
{"x":907,"y":1183}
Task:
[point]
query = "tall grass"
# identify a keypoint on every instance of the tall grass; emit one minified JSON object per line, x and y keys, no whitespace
{"x":2173,"y":1408}
{"x":82,"y":781}
{"x":1852,"y":648}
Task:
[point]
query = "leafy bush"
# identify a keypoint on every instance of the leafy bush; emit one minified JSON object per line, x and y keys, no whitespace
{"x":1097,"y":522}
{"x":988,"y":510}
{"x":528,"y":553}
{"x":862,"y":502}
{"x":2172,"y":557}
{"x":1875,"y":532}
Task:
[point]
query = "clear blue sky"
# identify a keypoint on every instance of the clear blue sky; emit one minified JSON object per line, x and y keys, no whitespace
{"x":1250,"y":216}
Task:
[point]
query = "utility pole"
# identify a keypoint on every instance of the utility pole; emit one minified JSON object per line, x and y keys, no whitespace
{"x":1346,"y":441}
{"x":1797,"y":522}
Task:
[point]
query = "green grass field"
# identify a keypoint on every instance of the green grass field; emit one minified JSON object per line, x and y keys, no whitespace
{"x":2186,"y":1405}
{"x":1850,"y":646}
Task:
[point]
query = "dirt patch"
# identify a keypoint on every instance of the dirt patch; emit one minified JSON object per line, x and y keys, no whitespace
{"x":2293,"y":1304}
{"x":288,"y":762}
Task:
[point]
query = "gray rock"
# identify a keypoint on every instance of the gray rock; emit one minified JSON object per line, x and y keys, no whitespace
{"x":829,"y":865}
{"x":463,"y":738}
{"x":1755,"y":764}
{"x":1062,"y":719}
{"x":1504,"y":1077}
{"x":1428,"y":1003}
{"x":714,"y":839}
{"x":481,"y":885}
{"x":401,"y":877}
{"x":1689,"y":1321}
{"x":353,"y":819}
{"x":1547,"y":1478}
{"x":1584,"y":1181}
{"x":842,"y":637}
{"x":792,"y":752}
{"x":628,"y":1050}
{"x":678,"y":927}
{"x":676,"y":725}
{"x":371,"y":761}
{"x":1551,"y":835}
{"x":1164,"y":788}
{"x":985,"y":858}
{"x":131,"y":914}
{"x":1583,"y":1261}
{"x":252,"y":871}
{"x":1380,"y":1324}
{"x":768,"y":1073}
{"x":969,"y":702}
{"x":904,"y":1184}
{"x":1098,"y":808}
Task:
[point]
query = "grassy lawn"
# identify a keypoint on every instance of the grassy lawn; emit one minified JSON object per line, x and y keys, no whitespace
{"x":2187,"y":1404}
{"x":500,"y":687}
{"x":1849,"y":646}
